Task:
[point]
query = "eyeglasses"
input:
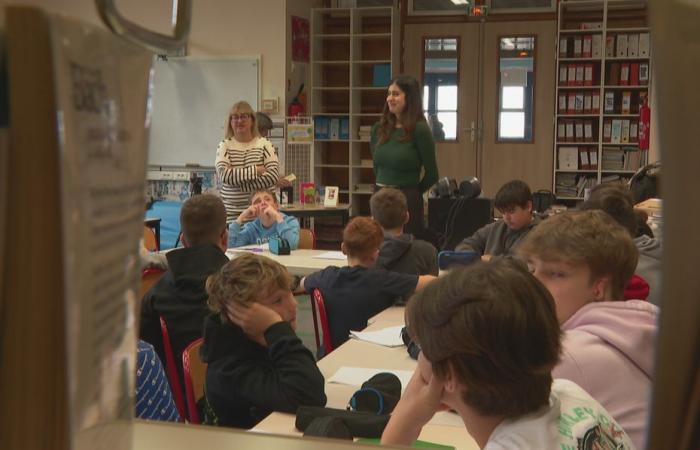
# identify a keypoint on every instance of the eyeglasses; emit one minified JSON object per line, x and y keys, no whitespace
{"x":244,"y":116}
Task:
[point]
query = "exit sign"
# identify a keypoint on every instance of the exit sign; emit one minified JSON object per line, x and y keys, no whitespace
{"x":480,"y":10}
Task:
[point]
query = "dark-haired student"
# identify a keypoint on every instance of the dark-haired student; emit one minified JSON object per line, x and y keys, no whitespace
{"x":256,"y":363}
{"x":490,"y":338}
{"x":403,"y":148}
{"x":514,"y":201}
{"x":357,"y":292}
{"x":180,"y":296}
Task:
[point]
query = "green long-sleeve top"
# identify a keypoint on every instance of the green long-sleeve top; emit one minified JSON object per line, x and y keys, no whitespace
{"x":399,"y":163}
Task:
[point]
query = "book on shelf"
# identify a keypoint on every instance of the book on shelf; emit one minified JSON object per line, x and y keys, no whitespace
{"x":588,"y":74}
{"x":644,"y":46}
{"x":624,"y":74}
{"x":563,"y":74}
{"x":595,"y":103}
{"x":588,"y":103}
{"x":579,"y":75}
{"x":577,"y":47}
{"x":563,"y":47}
{"x":586,"y":45}
{"x":634,"y":74}
{"x":607,"y":129}
{"x":571,"y":74}
{"x":633,"y":45}
{"x":621,"y":46}
{"x":625,"y":135}
{"x":593,"y":157}
{"x":568,"y":158}
{"x":626,"y":102}
{"x":609,"y":46}
{"x":616,"y":132}
{"x":79,"y":115}
{"x":614,"y":74}
{"x":583,"y":156}
{"x":596,"y":45}
{"x":643,"y":74}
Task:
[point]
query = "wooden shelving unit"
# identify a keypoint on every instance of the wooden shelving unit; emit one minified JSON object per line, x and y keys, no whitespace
{"x":600,"y":42}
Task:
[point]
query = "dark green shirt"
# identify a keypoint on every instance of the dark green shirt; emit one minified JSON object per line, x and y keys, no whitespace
{"x":399,"y":163}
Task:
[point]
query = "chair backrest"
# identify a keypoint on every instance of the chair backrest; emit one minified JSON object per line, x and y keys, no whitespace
{"x":318,"y":310}
{"x":195,"y":371}
{"x":307,"y":239}
{"x":149,"y":239}
{"x":171,"y":369}
{"x":149,"y":277}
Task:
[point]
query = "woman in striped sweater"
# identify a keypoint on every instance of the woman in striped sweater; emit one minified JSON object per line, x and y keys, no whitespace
{"x":245,"y":162}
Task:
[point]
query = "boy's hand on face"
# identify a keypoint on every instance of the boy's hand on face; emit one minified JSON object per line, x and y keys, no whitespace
{"x":254,"y":319}
{"x":271,"y":214}
{"x":419,"y":403}
{"x":248,"y":214}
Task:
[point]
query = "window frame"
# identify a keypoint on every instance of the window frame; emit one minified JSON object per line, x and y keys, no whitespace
{"x":424,"y":40}
{"x":497,"y":138}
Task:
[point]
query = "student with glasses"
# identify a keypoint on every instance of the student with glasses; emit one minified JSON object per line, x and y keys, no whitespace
{"x":245,"y":161}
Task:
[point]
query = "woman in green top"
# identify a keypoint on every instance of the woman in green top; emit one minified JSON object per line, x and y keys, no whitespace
{"x":403,"y":148}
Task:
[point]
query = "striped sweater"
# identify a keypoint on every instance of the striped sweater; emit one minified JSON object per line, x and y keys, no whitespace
{"x":235,"y":166}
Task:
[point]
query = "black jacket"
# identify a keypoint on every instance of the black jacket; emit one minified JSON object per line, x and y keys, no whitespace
{"x":180,"y":297}
{"x":407,"y":255}
{"x":246,"y":381}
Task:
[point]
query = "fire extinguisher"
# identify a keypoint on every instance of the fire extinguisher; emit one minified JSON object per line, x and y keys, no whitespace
{"x":644,"y":124}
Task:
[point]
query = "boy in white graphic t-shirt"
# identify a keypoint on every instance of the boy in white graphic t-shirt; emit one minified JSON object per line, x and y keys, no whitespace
{"x":490,"y":338}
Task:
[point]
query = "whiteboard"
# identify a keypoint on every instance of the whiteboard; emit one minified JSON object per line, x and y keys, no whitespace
{"x":191,"y":99}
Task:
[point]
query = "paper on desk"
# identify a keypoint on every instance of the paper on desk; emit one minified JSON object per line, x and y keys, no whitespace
{"x":331,"y":255}
{"x":355,"y":376}
{"x":388,"y":337}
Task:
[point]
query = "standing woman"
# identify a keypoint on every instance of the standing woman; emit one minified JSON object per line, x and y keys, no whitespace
{"x":245,"y":161}
{"x":403,"y":149}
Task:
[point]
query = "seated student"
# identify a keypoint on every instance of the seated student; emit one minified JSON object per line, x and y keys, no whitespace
{"x":585,"y":259}
{"x":261,"y":221}
{"x":154,"y":399}
{"x":400,"y":252}
{"x":514,"y":201}
{"x":357,"y":292}
{"x":256,"y":363}
{"x":179,"y":296}
{"x":490,"y":338}
{"x":616,"y":200}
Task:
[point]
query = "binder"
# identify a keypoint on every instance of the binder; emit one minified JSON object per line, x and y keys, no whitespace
{"x":633,"y":45}
{"x":621,"y":46}
{"x":596,"y":45}
{"x":643,"y":74}
{"x":561,"y":131}
{"x":626,"y":102}
{"x":577,"y":47}
{"x":563,"y":70}
{"x":593,"y":158}
{"x":644,"y":45}
{"x":588,"y":75}
{"x":571,"y":75}
{"x":595,"y":103}
{"x":587,"y":43}
{"x":563,"y":47}
{"x":587,"y":98}
{"x":616,"y":132}
{"x":583,"y":155}
{"x":570,"y":131}
{"x":625,"y":134}
{"x":579,"y":75}
{"x":607,"y":130}
{"x":634,"y":130}
{"x":334,"y":129}
{"x":624,"y":74}
{"x":588,"y":131}
{"x":578,"y":131}
{"x":634,"y":74}
{"x":609,"y":46}
{"x":571,"y":106}
{"x":609,"y":107}
{"x":614,"y":74}
{"x":578,"y":103}
{"x":562,"y":104}
{"x":568,"y":158}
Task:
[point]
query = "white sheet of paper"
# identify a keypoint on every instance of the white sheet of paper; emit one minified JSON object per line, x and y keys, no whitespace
{"x":331,"y":255}
{"x":388,"y":337}
{"x":355,"y":376}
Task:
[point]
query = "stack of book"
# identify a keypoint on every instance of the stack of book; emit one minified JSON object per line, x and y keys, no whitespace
{"x":566,"y":185}
{"x":583,"y":184}
{"x":364,"y":132}
{"x":613,"y":158}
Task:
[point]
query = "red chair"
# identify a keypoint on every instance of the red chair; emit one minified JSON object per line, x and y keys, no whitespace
{"x":195,"y":371}
{"x":171,"y":370}
{"x":318,"y":310}
{"x":307,"y":239}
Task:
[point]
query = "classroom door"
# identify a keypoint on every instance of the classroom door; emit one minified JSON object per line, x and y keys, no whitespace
{"x":503,"y":159}
{"x":457,"y":158}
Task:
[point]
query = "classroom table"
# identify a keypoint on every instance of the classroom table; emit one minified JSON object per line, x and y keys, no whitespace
{"x":301,"y":211}
{"x":300,"y":262}
{"x":445,"y":428}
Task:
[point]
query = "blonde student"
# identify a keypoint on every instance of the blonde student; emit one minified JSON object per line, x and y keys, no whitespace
{"x":490,"y":338}
{"x":261,"y":221}
{"x":585,"y":259}
{"x":256,"y":362}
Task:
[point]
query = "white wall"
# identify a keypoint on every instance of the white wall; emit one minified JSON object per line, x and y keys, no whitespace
{"x":219,"y":27}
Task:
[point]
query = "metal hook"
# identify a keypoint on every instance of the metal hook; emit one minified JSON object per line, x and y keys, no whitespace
{"x":156,"y":42}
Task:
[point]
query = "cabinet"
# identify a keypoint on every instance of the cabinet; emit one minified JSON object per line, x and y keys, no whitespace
{"x":603,"y":76}
{"x":354,"y":53}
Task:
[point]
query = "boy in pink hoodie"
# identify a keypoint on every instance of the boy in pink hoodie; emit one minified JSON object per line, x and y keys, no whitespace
{"x":585,"y":259}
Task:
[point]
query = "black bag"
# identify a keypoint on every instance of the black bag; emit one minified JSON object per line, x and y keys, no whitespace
{"x":411,"y":347}
{"x":360,"y":424}
{"x":542,"y":200}
{"x":329,"y":427}
{"x":378,"y":395}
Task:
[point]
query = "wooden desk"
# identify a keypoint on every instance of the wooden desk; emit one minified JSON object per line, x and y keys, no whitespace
{"x":301,"y":262}
{"x":305,"y":211}
{"x":445,"y":428}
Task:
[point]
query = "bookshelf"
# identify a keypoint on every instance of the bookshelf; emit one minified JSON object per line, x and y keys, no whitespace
{"x":603,"y":74}
{"x":354,"y":53}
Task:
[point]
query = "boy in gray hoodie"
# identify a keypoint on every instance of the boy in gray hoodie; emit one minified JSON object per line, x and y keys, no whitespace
{"x":400,"y":252}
